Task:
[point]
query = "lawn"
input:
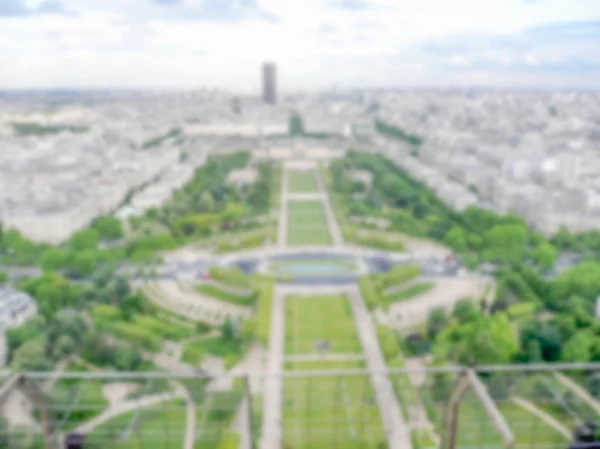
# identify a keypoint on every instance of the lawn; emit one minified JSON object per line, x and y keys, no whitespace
{"x":76,"y":401}
{"x":309,"y":319}
{"x":409,"y":292}
{"x":371,"y":238}
{"x":302,"y":182}
{"x":216,"y":293}
{"x":330,"y":411}
{"x":154,"y":427}
{"x":529,"y":430}
{"x":213,"y":422}
{"x":307,"y":223}
{"x":230,"y":349}
{"x":475,"y":429}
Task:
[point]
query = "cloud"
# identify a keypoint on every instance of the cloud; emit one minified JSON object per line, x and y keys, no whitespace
{"x":12,"y":8}
{"x":17,"y":8}
{"x":217,"y":10}
{"x":349,"y":5}
{"x":167,"y":2}
{"x":52,"y":7}
{"x":558,"y":47}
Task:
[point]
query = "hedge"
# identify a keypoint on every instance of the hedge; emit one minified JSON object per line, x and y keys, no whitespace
{"x":398,"y":275}
{"x":192,"y":353}
{"x":217,"y":293}
{"x":369,"y":292}
{"x":232,"y":276}
{"x":388,"y":341}
{"x":410,"y":292}
{"x":265,"y":307}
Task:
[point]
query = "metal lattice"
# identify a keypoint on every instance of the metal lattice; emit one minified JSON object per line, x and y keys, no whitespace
{"x":528,"y":407}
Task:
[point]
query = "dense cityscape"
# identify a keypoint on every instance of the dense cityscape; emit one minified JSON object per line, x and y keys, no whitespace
{"x":327,"y":224}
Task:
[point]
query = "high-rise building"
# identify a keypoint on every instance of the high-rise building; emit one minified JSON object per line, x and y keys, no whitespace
{"x":269,"y":79}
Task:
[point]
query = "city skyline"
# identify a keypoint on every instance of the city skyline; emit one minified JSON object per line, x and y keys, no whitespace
{"x":370,"y":43}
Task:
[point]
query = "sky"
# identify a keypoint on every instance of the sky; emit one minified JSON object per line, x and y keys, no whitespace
{"x":316,"y":44}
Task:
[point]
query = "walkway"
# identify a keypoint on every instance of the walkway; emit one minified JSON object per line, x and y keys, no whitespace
{"x":332,"y":224}
{"x":419,"y":419}
{"x":190,"y":427}
{"x":397,"y":432}
{"x":272,"y":396}
{"x":323,"y":357}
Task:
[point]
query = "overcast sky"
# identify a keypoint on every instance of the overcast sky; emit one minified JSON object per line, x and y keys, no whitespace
{"x":315,"y":43}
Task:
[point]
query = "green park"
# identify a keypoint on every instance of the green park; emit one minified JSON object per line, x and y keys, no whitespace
{"x":116,"y":324}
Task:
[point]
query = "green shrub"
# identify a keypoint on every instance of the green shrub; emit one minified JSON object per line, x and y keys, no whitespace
{"x":215,"y":292}
{"x":398,"y":275}
{"x":388,"y":341}
{"x":231,"y":276}
{"x":192,"y":353}
{"x":163,"y":328}
{"x":250,"y":241}
{"x":265,"y":306}
{"x":410,"y":292}
{"x":369,"y":292}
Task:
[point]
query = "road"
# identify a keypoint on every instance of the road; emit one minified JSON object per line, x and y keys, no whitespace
{"x":396,"y":429}
{"x":273,"y":389}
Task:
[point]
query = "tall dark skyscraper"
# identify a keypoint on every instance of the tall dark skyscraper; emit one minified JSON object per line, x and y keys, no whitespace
{"x":269,"y":79}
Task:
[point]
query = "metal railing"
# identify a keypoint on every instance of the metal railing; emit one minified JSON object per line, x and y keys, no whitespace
{"x":519,"y":406}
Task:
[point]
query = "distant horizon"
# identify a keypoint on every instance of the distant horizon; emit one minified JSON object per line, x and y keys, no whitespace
{"x":257,"y":94}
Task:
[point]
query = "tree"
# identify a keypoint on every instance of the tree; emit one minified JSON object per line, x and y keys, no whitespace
{"x":545,"y":255}
{"x":228,"y":330}
{"x":109,"y":228}
{"x":456,"y":239}
{"x":465,"y":310}
{"x":296,"y":125}
{"x":206,"y":203}
{"x":55,"y":259}
{"x":231,"y":214}
{"x":84,"y":239}
{"x":578,"y":348}
{"x":436,"y":321}
{"x":127,"y":358}
{"x":64,"y":346}
{"x":488,"y":340}
{"x":506,"y":243}
{"x":31,"y":356}
{"x":84,"y":263}
{"x":534,"y":352}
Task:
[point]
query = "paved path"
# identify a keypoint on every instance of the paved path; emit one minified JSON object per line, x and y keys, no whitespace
{"x":332,"y":224}
{"x":125,"y":407}
{"x":190,"y":427}
{"x":579,"y":391}
{"x":244,"y":424}
{"x":397,"y":432}
{"x":283,"y":210}
{"x":306,"y":196}
{"x":418,"y":415}
{"x":323,"y":357}
{"x":559,"y":427}
{"x":273,"y":395}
